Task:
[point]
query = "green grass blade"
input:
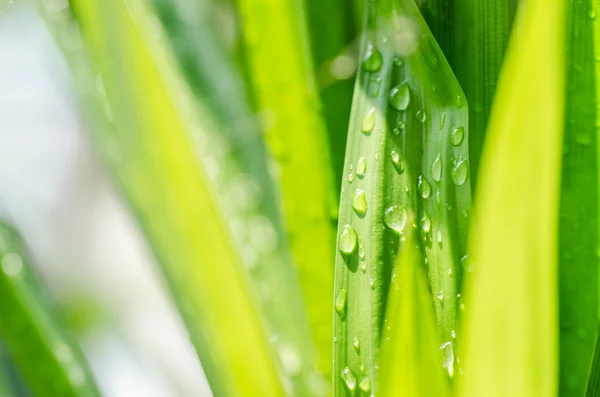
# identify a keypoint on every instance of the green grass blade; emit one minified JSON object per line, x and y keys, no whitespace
{"x":510,"y":325}
{"x":407,"y":109}
{"x":474,"y":36}
{"x":47,"y":357}
{"x":410,"y":360}
{"x":275,"y":35}
{"x":578,"y":228}
{"x":207,"y":214}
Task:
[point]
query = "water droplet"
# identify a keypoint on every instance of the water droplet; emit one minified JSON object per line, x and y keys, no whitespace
{"x":436,"y":168}
{"x":592,"y":13}
{"x":365,"y":386}
{"x":340,"y":303}
{"x":351,"y":177}
{"x":359,"y":202}
{"x":368,"y":122}
{"x":398,"y":61}
{"x":421,"y":116}
{"x":424,"y":187}
{"x":398,"y":129}
{"x":426,"y":224}
{"x":356,"y":344}
{"x":373,"y":89}
{"x":440,"y":296}
{"x":438,"y":197}
{"x":347,"y":242}
{"x":361,"y":252}
{"x":439,"y":238}
{"x":398,"y":164}
{"x":460,"y":173}
{"x":448,"y":357}
{"x":395,"y":219}
{"x":443,"y":121}
{"x":361,"y":167}
{"x":335,"y":339}
{"x":457,"y":136}
{"x":363,"y":267}
{"x":459,"y":101}
{"x":373,"y":60}
{"x":349,"y":379}
{"x":372,"y":284}
{"x":400,"y":96}
{"x":453,"y":334}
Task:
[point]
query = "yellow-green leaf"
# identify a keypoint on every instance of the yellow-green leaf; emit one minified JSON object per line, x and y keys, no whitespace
{"x":410,"y":350}
{"x":509,"y":344}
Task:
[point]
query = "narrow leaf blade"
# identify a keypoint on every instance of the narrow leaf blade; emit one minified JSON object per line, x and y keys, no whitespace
{"x":510,"y":328}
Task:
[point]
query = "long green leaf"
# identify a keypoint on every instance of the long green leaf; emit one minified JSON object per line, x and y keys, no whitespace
{"x":410,"y":356}
{"x":474,"y":37}
{"x":209,"y":215}
{"x":281,"y":72}
{"x":510,"y":329}
{"x":47,"y":357}
{"x":407,"y":154}
{"x":578,"y":228}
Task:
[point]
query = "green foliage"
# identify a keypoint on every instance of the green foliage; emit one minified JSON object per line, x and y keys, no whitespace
{"x":507,"y":309}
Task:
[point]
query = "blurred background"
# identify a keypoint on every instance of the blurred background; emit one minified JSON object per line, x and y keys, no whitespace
{"x":79,"y":233}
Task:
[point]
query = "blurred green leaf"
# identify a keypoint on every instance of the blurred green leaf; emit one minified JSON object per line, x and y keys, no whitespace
{"x":578,"y":228}
{"x":286,"y":93}
{"x":410,"y":350}
{"x":407,"y":155}
{"x":47,"y":357}
{"x":333,"y":35}
{"x":200,"y":192}
{"x":509,"y":340}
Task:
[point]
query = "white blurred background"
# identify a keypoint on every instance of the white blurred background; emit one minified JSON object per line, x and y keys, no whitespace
{"x":88,"y":248}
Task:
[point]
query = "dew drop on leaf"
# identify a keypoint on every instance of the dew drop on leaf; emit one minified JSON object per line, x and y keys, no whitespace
{"x":457,"y":136}
{"x":460,"y":173}
{"x":356,"y":344}
{"x":398,"y":163}
{"x":421,"y":116}
{"x":340,"y":303}
{"x":365,"y":386}
{"x":400,"y":96}
{"x":373,"y":60}
{"x":426,"y":224}
{"x":348,"y":240}
{"x":424,"y":187}
{"x":361,"y":167}
{"x":368,"y":122}
{"x":395,"y":218}
{"x":359,"y":202}
{"x":349,"y":379}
